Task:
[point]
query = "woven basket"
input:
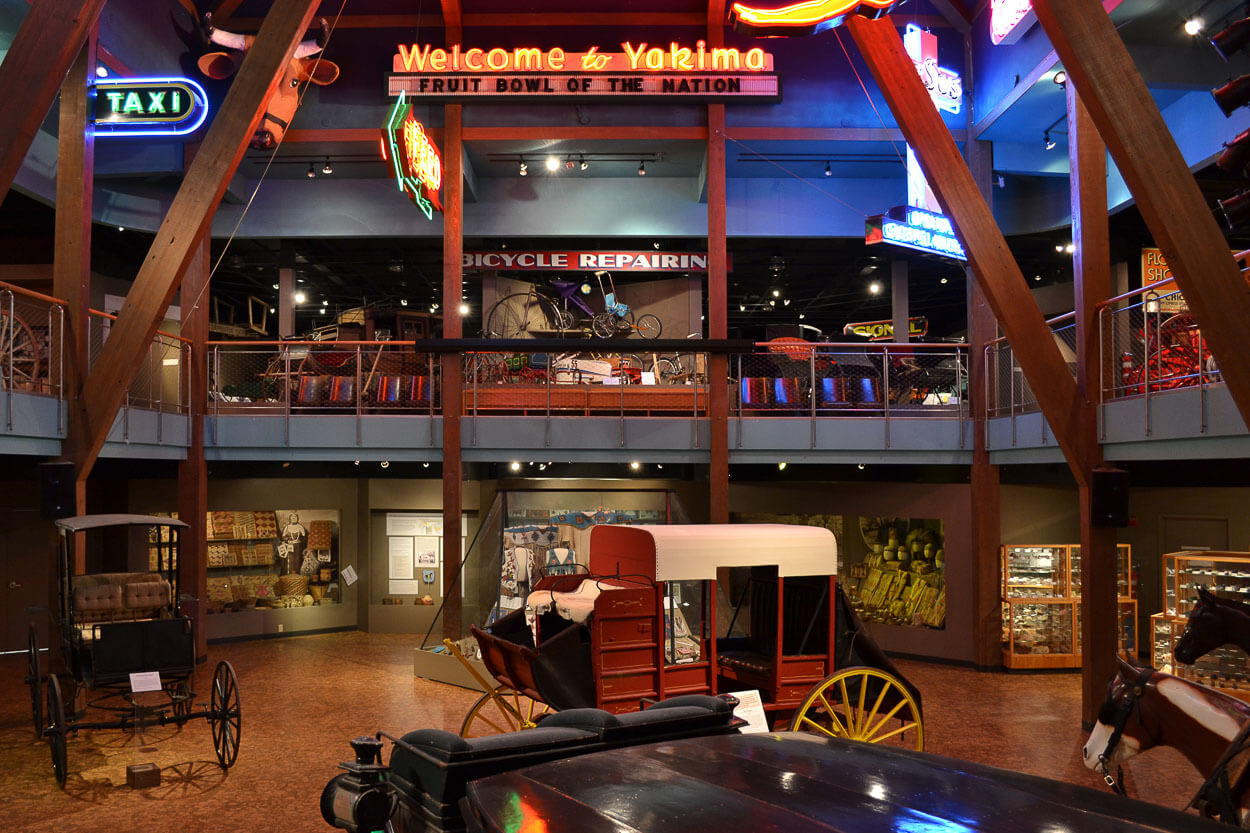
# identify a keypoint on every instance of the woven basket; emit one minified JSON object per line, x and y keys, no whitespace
{"x":317,"y":591}
{"x":292,"y":584}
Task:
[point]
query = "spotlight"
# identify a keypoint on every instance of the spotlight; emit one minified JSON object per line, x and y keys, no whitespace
{"x":568,"y":164}
{"x":1048,"y":142}
{"x":1060,"y":78}
{"x":403,"y":302}
{"x":425,"y":465}
{"x":1069,"y":249}
{"x":275,"y":286}
{"x":101,"y":72}
{"x":801,"y":316}
{"x":311,"y":172}
{"x":786,"y":302}
{"x":874,"y":288}
{"x":121,"y":228}
{"x":1059,"y":248}
{"x":552,"y":163}
{"x":1193,"y":26}
{"x":525,"y":169}
{"x":299,"y":297}
{"x":642,"y":169}
{"x":1232,"y":95}
{"x":1233,"y":39}
{"x":742,"y":307}
{"x":772,"y":303}
{"x":860,"y":467}
{"x":1236,"y":156}
{"x":464,"y":309}
{"x":272,"y":310}
{"x":327,"y":168}
{"x":584,"y":164}
{"x":1037,"y":277}
{"x":433,"y":307}
{"x":1236,"y":210}
{"x":514,"y":465}
{"x":781,"y":467}
{"x":635,"y":465}
{"x":386,"y":464}
{"x":776,"y":293}
{"x":828,"y":170}
{"x":943,"y":280}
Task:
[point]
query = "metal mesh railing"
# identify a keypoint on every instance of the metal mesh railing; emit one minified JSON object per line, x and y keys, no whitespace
{"x":32,"y":330}
{"x":800,"y":379}
{"x":323,"y":377}
{"x":1007,"y":391}
{"x":1153,"y":345}
{"x":160,"y":382}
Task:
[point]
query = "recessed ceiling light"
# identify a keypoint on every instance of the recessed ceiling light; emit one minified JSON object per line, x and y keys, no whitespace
{"x":874,"y":288}
{"x":781,"y":466}
{"x":635,"y":465}
{"x":299,"y":297}
{"x":1193,"y":26}
{"x":464,"y":309}
{"x":514,"y":465}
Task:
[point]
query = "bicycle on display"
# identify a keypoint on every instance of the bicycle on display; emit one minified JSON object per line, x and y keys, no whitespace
{"x":536,"y":313}
{"x":669,"y":368}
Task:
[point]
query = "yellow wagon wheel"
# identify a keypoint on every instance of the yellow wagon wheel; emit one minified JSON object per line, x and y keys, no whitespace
{"x":862,"y":704}
{"x":500,"y":710}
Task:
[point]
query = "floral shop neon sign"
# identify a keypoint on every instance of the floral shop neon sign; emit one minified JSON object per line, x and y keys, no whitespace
{"x":416,"y":163}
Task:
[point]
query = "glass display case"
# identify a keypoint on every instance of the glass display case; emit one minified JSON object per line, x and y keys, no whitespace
{"x":1226,"y":574}
{"x":1042,"y":604}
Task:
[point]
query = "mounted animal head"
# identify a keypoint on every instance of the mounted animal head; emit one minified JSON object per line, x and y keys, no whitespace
{"x":281,"y":106}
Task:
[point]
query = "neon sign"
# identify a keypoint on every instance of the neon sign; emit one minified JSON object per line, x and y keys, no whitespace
{"x":147,"y":106}
{"x":414,"y":58}
{"x":804,"y":18}
{"x":883,"y":330}
{"x":415,"y":161}
{"x":1009,"y":19}
{"x":945,"y":86}
{"x":915,"y":228}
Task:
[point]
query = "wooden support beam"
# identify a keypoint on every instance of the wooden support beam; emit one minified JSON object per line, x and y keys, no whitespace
{"x":1091,"y":266}
{"x":453,"y":22}
{"x":1004,"y":285}
{"x":193,"y":471}
{"x":717,"y":317}
{"x":187,"y":222}
{"x":48,"y":41}
{"x":71,"y":268}
{"x":452,"y":380}
{"x":1103,"y":73}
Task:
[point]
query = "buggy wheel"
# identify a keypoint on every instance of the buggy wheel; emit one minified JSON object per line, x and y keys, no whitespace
{"x":56,"y":729}
{"x":648,"y":326}
{"x":521,"y":315}
{"x":34,"y":680}
{"x":224,"y":715}
{"x":502,"y":710}
{"x":862,"y":704}
{"x":17,"y":340}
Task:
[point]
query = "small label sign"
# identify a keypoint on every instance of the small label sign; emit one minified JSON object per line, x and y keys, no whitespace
{"x":145,"y":681}
{"x":751,"y":709}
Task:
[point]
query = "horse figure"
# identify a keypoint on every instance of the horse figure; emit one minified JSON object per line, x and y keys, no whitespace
{"x":1147,"y":708}
{"x":1213,"y":622}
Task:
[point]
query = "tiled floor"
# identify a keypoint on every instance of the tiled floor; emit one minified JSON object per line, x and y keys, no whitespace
{"x":303,"y":697}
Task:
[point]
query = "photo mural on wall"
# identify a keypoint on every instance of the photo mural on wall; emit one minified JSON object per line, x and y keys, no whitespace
{"x":272,"y":558}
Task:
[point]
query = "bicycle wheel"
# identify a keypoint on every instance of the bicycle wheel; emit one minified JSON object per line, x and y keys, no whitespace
{"x":648,"y":326}
{"x":521,"y":315}
{"x":603,"y":325}
{"x":667,"y":371}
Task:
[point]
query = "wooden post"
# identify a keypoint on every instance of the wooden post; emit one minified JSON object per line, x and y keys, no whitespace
{"x":1120,"y":107}
{"x":71,"y":268}
{"x":985,"y":534}
{"x":1004,"y":285}
{"x":50,"y":37}
{"x":193,"y":471}
{"x":186,"y":223}
{"x":1091,"y":267}
{"x":899,"y":306}
{"x":718,"y":318}
{"x":452,"y":380}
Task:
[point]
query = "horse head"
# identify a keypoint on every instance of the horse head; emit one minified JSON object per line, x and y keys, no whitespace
{"x":1204,"y":630}
{"x":1120,"y":732}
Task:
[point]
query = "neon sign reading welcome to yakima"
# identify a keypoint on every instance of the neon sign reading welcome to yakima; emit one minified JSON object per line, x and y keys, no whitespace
{"x":415,"y":58}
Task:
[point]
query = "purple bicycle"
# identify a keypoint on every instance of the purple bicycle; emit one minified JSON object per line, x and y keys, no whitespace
{"x":536,"y":314}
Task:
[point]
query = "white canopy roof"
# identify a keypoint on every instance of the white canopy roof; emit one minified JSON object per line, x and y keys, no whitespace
{"x":686,"y":552}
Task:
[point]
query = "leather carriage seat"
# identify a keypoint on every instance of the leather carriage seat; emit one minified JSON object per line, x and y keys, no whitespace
{"x":118,"y":597}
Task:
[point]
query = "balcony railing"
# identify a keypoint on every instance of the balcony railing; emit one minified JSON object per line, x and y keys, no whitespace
{"x":1007,"y":392}
{"x":161,"y":381}
{"x":32,"y":341}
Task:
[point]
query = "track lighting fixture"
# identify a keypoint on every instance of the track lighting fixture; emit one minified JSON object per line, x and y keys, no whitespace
{"x":1233,"y":38}
{"x":327,"y":168}
{"x":584,"y":163}
{"x":525,"y":169}
{"x":1060,"y":78}
{"x":552,"y":163}
{"x":1048,"y":142}
{"x":311,"y":172}
{"x":828,"y":170}
{"x":1236,"y":156}
{"x":1193,"y":26}
{"x":642,"y":169}
{"x":1232,"y":95}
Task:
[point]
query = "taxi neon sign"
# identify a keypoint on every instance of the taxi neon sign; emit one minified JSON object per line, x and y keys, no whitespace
{"x":416,"y":163}
{"x":805,"y":18}
{"x":147,"y":106}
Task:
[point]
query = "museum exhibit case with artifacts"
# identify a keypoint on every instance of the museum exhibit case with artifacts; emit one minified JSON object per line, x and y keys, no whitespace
{"x":1225,"y":574}
{"x":1041,"y":597}
{"x":272,"y":558}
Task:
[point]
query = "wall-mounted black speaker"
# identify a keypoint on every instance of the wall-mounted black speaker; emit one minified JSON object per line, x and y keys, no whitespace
{"x":1108,"y":497}
{"x":56,"y":490}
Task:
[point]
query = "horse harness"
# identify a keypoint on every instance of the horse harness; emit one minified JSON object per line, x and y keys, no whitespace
{"x":1123,"y":710}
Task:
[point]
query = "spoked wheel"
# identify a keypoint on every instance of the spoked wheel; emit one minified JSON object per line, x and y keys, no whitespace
{"x":648,"y":326}
{"x":603,"y":325}
{"x":18,"y":340}
{"x":502,"y":710}
{"x":34,"y":680}
{"x":522,"y":315}
{"x":862,"y":704}
{"x":224,"y":715}
{"x":56,"y":729}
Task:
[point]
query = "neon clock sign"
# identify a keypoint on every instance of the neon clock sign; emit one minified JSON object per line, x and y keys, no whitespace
{"x":417,"y":165}
{"x":147,"y":106}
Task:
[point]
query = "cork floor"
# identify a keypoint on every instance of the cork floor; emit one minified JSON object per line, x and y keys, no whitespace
{"x":303,"y":698}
